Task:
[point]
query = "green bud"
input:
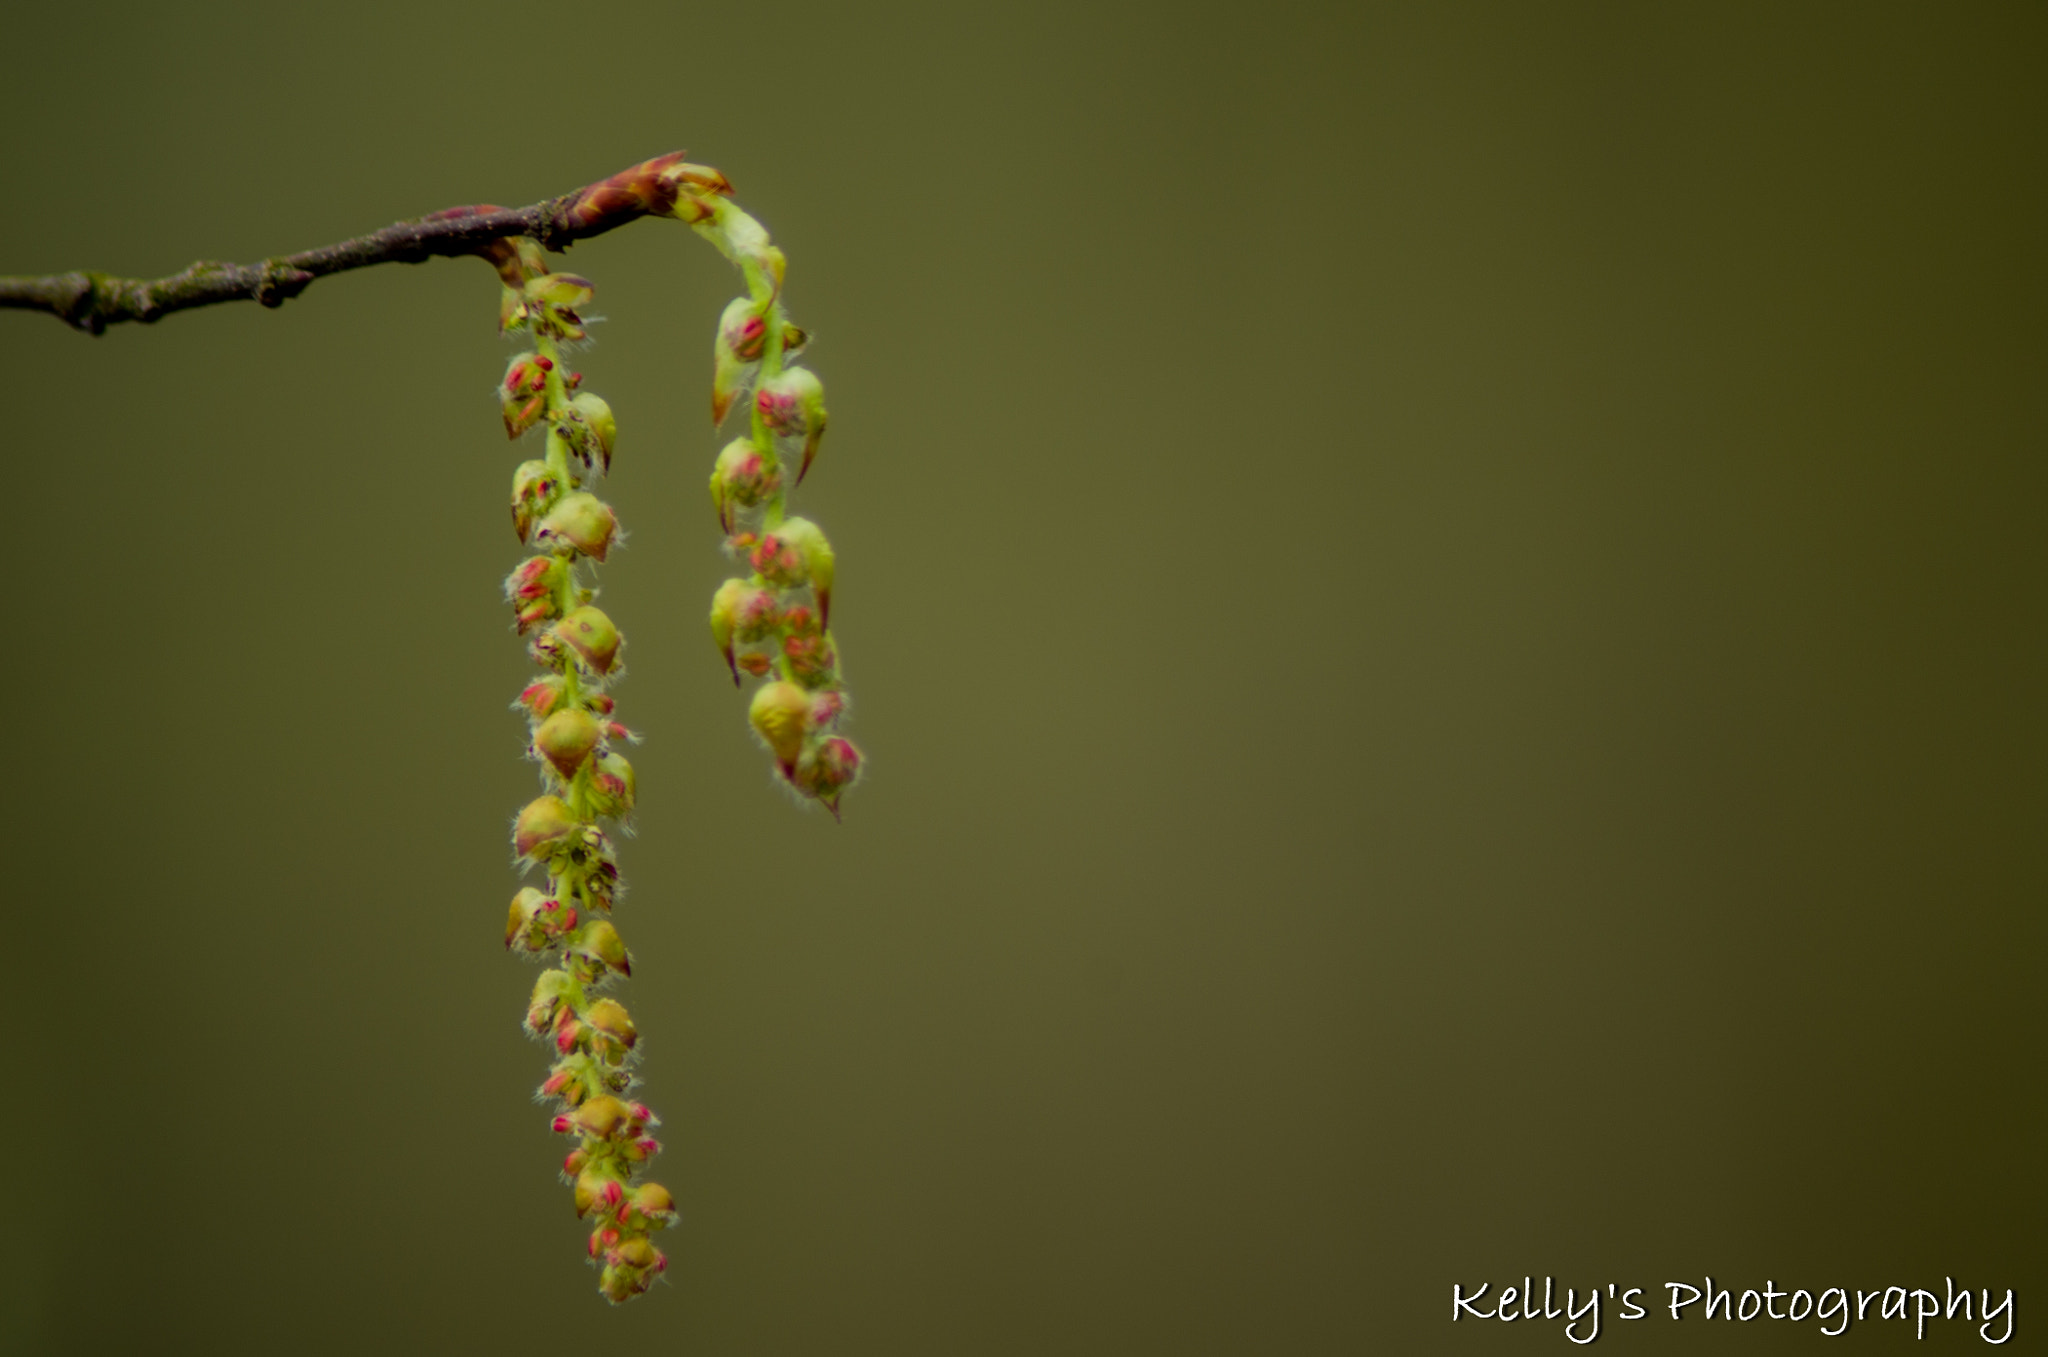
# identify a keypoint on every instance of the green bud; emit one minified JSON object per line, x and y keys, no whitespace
{"x":779,"y":715}
{"x":560,"y":289}
{"x":792,"y":404}
{"x":726,"y":605}
{"x":613,"y":787}
{"x":819,"y":562}
{"x":653,"y":1201}
{"x":565,"y":740}
{"x":735,"y":352}
{"x":544,"y":827}
{"x":609,"y":1017}
{"x":527,"y":923}
{"x":578,"y":520}
{"x":590,"y":430}
{"x":598,"y":942}
{"x":592,"y":636}
{"x":742,"y":477}
{"x":534,"y":490}
{"x":553,"y":990}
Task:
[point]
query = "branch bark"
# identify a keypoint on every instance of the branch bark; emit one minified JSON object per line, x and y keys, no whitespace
{"x":93,"y":301}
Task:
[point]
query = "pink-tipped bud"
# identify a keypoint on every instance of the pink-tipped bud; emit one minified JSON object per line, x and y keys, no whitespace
{"x":779,"y":713}
{"x":811,"y":659}
{"x":653,"y":1201}
{"x":541,"y":697}
{"x":573,"y":1162}
{"x":521,"y":395}
{"x":569,"y":1035}
{"x":792,"y":404}
{"x":598,"y":943}
{"x":741,"y":479}
{"x":609,"y":1016}
{"x":544,"y":827}
{"x":826,"y":708}
{"x":550,"y":994}
{"x":565,"y":740}
{"x":777,"y":561}
{"x":735,"y":353}
{"x":597,"y":1190}
{"x":613,"y":787}
{"x":579,"y":520}
{"x":534,"y":491}
{"x":592,"y":636}
{"x":744,"y":329}
{"x":532,"y":921}
{"x":807,"y":540}
{"x":829,"y":771}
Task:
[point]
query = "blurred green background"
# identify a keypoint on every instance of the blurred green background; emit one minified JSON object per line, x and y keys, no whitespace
{"x":1447,"y":605}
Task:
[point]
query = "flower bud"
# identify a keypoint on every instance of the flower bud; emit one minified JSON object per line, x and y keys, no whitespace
{"x":550,"y":994}
{"x":534,"y":590}
{"x":527,"y":923}
{"x":792,"y":404}
{"x":735,"y":352}
{"x":653,"y":1201}
{"x":541,"y":697}
{"x":742,"y":477}
{"x":826,"y":708}
{"x":620,"y":1284}
{"x":566,"y":1081}
{"x":609,"y":1017}
{"x":543,"y":828}
{"x":578,"y":520}
{"x":812,"y":659}
{"x":534,"y":490}
{"x":830,"y":770}
{"x":565,"y":741}
{"x":559,"y":289}
{"x":522,"y":394}
{"x":600,"y":944}
{"x":596,"y":1190}
{"x":592,"y":636}
{"x":819,"y":562}
{"x":727,"y":606}
{"x":607,"y":1118}
{"x":777,"y":561}
{"x":778,"y":714}
{"x":590,"y":431}
{"x":634,"y":1252}
{"x":613,"y":786}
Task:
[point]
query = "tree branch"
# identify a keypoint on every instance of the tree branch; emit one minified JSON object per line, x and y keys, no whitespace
{"x":93,"y":301}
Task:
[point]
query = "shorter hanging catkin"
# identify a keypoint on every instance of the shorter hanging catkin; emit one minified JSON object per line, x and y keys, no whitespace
{"x":777,"y":624}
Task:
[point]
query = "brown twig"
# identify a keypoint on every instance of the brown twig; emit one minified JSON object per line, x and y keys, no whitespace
{"x":93,"y":301}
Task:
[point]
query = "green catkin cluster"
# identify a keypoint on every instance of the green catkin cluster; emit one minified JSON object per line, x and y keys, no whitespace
{"x":574,"y":738}
{"x":777,"y":624}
